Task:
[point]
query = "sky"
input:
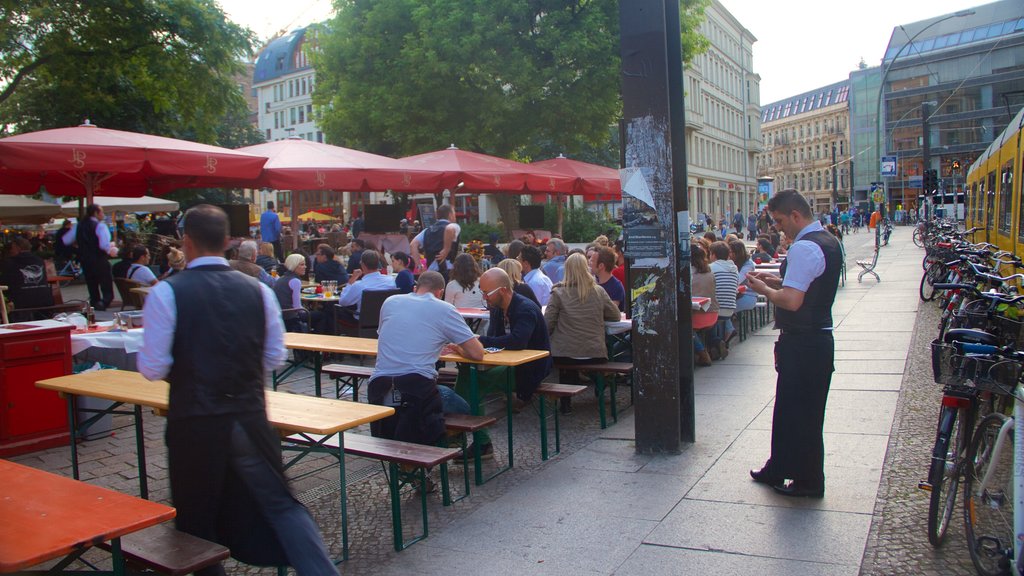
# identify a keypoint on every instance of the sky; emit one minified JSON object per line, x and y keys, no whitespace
{"x":801,"y":44}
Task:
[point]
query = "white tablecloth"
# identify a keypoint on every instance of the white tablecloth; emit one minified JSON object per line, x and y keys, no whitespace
{"x":130,"y":341}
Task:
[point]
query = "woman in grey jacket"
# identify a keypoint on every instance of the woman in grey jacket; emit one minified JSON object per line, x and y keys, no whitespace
{"x":575,"y":316}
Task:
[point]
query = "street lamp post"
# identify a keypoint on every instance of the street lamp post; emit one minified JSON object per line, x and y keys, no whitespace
{"x":885,"y":74}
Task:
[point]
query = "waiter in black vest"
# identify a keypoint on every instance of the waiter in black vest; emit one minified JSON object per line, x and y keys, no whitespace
{"x":92,"y":237}
{"x":213,"y":333}
{"x":805,"y":351}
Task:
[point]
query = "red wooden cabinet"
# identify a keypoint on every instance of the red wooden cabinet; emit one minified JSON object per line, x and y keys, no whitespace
{"x":32,"y":418}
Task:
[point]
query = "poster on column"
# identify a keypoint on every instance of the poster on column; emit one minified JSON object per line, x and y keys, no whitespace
{"x":643,"y":234}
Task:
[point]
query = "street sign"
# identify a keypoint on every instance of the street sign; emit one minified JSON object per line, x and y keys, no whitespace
{"x":888,"y":165}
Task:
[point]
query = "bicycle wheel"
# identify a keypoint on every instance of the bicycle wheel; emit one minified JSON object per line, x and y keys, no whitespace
{"x":988,"y":511}
{"x":944,"y":475}
{"x":918,"y":238}
{"x":932,"y":275}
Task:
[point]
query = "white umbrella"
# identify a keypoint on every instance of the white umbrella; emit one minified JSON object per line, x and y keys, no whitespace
{"x":116,"y":204}
{"x":24,"y":210}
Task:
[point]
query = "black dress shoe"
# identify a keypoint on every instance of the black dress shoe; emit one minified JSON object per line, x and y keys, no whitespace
{"x":797,"y":490}
{"x":764,"y":476}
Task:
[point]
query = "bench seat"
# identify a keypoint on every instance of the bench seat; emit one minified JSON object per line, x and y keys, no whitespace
{"x":347,"y":375}
{"x":163,"y":549}
{"x":553,"y":391}
{"x":408,"y":464}
{"x":869,"y":266}
{"x":599,"y":369}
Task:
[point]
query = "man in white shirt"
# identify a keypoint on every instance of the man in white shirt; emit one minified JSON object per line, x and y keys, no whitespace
{"x":92,"y":237}
{"x":532,"y":275}
{"x":214,"y":333}
{"x":368,"y":277}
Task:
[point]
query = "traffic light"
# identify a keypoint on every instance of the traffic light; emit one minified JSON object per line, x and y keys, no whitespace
{"x":955,"y":165}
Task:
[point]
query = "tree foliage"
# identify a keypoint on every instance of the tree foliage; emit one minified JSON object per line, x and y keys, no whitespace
{"x":162,"y":67}
{"x":505,"y":77}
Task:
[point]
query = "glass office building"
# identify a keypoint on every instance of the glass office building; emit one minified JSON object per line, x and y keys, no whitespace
{"x":968,"y":70}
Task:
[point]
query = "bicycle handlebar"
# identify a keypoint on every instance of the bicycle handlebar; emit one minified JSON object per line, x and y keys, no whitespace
{"x":1000,"y":297}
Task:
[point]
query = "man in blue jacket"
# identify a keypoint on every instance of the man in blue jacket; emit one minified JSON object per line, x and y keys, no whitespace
{"x":516,"y":324}
{"x":270,"y":229}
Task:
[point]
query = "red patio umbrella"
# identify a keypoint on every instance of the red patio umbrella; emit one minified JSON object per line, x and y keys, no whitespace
{"x":593,"y":182}
{"x":86,"y":159}
{"x":297,"y":164}
{"x":483,"y":173}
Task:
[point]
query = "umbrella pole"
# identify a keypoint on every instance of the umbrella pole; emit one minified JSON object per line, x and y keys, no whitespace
{"x":295,"y":218}
{"x":561,"y":213}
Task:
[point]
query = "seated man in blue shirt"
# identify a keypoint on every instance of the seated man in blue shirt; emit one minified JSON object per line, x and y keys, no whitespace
{"x":326,"y":268}
{"x":368,"y":277}
{"x":407,"y":365}
{"x":602,"y":262}
{"x":516,"y":323}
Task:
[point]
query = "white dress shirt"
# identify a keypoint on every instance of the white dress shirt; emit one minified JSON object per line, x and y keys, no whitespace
{"x":541,"y":285}
{"x":161,"y":317}
{"x":804,"y":260}
{"x":102,"y":233}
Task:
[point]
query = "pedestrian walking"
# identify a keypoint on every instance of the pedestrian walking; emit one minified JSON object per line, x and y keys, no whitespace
{"x":804,"y":353}
{"x":270,"y":229}
{"x":214,"y":333}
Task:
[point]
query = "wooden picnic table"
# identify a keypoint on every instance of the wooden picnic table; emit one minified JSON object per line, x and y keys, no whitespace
{"x":287,"y":413}
{"x":320,"y":344}
{"x":46,"y":516}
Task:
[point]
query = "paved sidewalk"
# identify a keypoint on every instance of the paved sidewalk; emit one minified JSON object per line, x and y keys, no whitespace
{"x":601,"y":508}
{"x":608,"y":510}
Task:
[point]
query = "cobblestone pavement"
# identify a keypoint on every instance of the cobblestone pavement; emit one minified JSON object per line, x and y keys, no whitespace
{"x":111,"y":462}
{"x":898,"y":541}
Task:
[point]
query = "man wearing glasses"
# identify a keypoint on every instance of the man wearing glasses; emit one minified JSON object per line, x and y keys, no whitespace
{"x":516,"y":323}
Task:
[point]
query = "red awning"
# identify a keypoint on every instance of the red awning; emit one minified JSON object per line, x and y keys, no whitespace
{"x":483,"y":173}
{"x":297,"y":164}
{"x":87,"y":159}
{"x":593,"y":182}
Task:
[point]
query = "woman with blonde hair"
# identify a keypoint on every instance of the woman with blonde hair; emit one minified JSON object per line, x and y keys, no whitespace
{"x":575,"y":316}
{"x":514,"y":269}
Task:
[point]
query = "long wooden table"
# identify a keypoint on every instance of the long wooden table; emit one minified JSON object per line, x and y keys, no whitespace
{"x":46,"y":516}
{"x":288,"y":413}
{"x":320,"y":344}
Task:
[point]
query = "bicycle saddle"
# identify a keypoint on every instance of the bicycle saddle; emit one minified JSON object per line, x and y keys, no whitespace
{"x":970,"y":335}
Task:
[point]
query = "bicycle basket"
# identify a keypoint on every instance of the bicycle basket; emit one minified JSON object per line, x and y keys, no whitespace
{"x":968,"y":318}
{"x":946,"y":364}
{"x":942,"y":254}
{"x":992,"y":373}
{"x":1010,"y":331}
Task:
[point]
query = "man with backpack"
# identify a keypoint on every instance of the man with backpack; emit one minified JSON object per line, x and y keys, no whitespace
{"x":439,"y":242}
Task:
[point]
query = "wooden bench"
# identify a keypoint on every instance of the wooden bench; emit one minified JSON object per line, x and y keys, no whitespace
{"x":869,"y":266}
{"x":347,"y":375}
{"x":599,"y":369}
{"x":461,"y":425}
{"x":407,"y":465}
{"x":553,"y":392}
{"x":163,"y":549}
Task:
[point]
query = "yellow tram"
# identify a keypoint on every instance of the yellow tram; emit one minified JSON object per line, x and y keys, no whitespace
{"x":994,"y":199}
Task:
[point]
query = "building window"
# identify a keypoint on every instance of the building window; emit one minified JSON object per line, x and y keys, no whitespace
{"x":294,"y":115}
{"x":302,"y":115}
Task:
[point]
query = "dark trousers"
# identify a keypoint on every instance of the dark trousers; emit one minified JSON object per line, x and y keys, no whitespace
{"x":278,"y":252}
{"x":215,"y":460}
{"x":805,"y":363}
{"x":571,"y":376}
{"x":99,"y":280}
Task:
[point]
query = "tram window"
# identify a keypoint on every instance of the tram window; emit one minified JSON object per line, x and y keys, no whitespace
{"x":990,"y":200}
{"x":1005,"y":198}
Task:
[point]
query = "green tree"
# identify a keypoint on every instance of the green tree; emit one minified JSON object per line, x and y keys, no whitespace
{"x":504,"y":77}
{"x":520,"y":79}
{"x":163,"y":67}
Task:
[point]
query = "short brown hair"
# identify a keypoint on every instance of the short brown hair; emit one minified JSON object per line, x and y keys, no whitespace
{"x":720,"y":249}
{"x":606,"y":257}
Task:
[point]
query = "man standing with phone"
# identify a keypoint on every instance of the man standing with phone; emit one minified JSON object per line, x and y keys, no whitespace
{"x":805,"y":350}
